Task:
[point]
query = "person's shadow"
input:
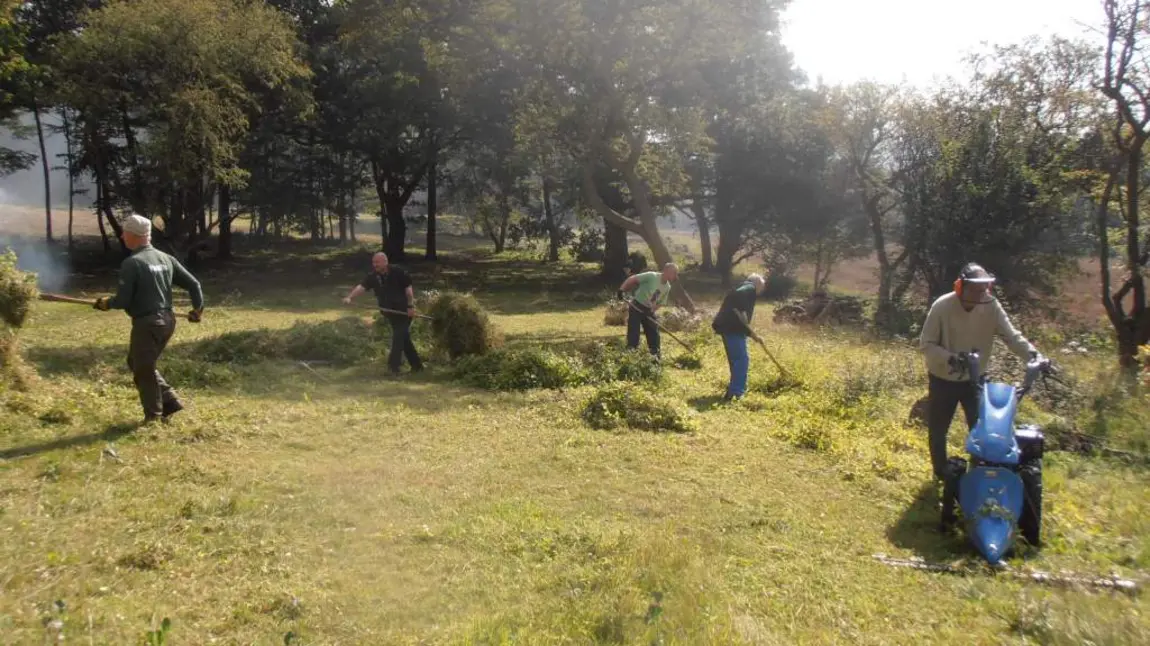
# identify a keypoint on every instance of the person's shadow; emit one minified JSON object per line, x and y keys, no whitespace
{"x":109,"y":434}
{"x":918,"y":529}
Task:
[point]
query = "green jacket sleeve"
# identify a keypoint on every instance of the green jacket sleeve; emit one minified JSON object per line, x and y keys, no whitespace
{"x":184,"y":278}
{"x":126,"y":288}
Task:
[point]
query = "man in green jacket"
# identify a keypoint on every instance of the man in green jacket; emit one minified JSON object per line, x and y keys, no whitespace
{"x":145,"y":294}
{"x":651,"y":289}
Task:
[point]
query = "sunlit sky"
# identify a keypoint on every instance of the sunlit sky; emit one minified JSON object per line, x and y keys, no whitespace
{"x":915,"y":41}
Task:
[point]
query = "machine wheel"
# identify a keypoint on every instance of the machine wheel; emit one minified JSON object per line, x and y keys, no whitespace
{"x":1030,"y":524}
{"x":955,"y":469}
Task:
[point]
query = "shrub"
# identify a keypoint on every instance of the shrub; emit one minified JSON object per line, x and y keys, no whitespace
{"x":637,"y":262}
{"x":461,"y":326}
{"x":623,"y":405}
{"x":780,"y":286}
{"x":588,"y":246}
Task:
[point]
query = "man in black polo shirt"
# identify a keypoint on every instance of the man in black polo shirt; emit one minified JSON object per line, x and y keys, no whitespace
{"x":392,"y":287}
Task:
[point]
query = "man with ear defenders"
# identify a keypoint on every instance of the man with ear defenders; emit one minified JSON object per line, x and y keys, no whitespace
{"x":966,"y":319}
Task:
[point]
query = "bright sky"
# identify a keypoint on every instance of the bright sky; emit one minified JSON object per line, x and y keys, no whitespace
{"x":918,"y":41}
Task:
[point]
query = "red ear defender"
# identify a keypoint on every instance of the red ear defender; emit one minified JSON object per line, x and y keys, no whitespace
{"x":958,"y":287}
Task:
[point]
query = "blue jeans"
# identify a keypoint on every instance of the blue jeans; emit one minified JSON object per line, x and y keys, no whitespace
{"x":739,"y":362}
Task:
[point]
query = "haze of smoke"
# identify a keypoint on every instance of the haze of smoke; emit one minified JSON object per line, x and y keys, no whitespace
{"x":52,"y":269}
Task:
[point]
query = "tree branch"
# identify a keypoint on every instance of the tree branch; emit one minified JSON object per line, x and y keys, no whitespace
{"x":591,"y":191}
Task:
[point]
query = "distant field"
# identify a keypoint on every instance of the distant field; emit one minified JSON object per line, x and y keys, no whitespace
{"x":1079,"y":298}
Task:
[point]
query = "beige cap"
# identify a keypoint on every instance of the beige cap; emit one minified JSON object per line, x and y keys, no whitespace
{"x":138,"y":225}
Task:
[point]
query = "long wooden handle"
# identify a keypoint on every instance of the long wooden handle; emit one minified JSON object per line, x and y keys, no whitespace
{"x":60,"y":298}
{"x":773,"y":360}
{"x":656,"y":322}
{"x":419,"y":316}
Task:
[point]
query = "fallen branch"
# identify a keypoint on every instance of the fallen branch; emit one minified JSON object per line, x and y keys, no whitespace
{"x":1065,"y":579}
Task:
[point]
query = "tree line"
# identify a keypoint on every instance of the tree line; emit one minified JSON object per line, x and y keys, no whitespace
{"x":519,"y":114}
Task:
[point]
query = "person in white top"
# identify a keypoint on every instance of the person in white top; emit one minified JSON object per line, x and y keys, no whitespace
{"x":967,"y":319}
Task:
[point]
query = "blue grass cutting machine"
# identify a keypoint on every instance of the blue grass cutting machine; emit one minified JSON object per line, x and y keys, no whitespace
{"x":999,"y":489}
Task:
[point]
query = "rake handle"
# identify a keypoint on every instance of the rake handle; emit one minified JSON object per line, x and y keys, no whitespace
{"x":418,"y":316}
{"x":60,"y":298}
{"x":658,"y":325}
{"x":773,"y":360}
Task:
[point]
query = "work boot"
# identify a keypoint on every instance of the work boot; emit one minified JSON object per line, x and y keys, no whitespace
{"x":171,"y":407}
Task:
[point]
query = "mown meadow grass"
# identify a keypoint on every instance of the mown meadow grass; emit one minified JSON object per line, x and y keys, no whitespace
{"x":305,"y":497}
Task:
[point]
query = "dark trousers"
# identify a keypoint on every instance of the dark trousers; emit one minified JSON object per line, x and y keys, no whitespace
{"x":945,"y":396}
{"x":150,"y":335}
{"x":637,"y":320}
{"x":401,"y":345}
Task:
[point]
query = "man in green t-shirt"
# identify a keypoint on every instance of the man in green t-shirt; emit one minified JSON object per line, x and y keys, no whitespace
{"x":145,"y":294}
{"x":651,"y":289}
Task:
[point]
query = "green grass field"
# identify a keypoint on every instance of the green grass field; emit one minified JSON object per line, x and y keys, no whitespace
{"x":328,"y":503}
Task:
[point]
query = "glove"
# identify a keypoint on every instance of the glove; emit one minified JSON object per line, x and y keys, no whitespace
{"x":102,"y":304}
{"x":195,"y":315}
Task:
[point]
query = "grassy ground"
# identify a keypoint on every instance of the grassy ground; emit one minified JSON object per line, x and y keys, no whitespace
{"x":331,"y":504}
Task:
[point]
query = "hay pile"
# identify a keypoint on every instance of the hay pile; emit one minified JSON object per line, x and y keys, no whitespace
{"x":677,"y":319}
{"x":616,"y":313}
{"x":17,"y":292}
{"x":460,"y":326}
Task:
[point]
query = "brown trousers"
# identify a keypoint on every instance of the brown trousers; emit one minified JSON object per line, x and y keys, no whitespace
{"x":150,"y":335}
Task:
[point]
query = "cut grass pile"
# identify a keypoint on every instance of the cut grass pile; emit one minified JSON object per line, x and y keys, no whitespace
{"x":528,"y":367}
{"x":622,"y":405}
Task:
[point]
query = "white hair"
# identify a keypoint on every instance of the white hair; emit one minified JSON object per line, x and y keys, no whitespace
{"x":757,"y":278}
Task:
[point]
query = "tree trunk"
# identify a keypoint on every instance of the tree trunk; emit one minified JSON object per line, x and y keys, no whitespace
{"x":704,"y":233}
{"x":224,"y":252}
{"x":137,"y":179}
{"x":549,"y":219}
{"x":614,"y":251}
{"x":100,"y":218}
{"x":730,"y":234}
{"x":352,"y":213}
{"x":71,"y":177}
{"x":104,"y":201}
{"x":341,"y":206}
{"x":818,"y":266}
{"x":728,"y":247}
{"x":47,"y":171}
{"x":432,"y":207}
{"x":396,"y":230}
